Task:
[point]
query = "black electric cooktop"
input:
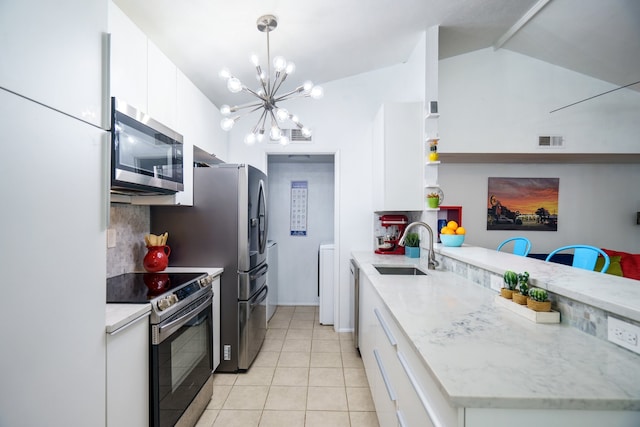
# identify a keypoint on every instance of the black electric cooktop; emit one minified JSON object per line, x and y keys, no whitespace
{"x":140,"y":288}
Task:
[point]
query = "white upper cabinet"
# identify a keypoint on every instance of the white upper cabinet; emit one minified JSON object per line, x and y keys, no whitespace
{"x":162,"y":84}
{"x":128,"y":60}
{"x":144,"y":77}
{"x":398,"y":157}
{"x":199,"y":119}
{"x":49,"y":49}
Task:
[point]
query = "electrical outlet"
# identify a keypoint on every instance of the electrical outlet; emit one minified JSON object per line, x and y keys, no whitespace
{"x":624,"y":334}
{"x":111,"y":238}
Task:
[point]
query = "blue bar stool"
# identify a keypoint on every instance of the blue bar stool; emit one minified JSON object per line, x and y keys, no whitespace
{"x":584,"y":256}
{"x":521,"y":245}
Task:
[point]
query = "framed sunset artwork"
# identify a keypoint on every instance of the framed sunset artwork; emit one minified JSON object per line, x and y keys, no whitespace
{"x":526,"y":204}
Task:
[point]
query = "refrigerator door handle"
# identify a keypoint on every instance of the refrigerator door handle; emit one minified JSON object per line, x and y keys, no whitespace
{"x":259,"y":301}
{"x":260,"y":272}
{"x":262,"y":218}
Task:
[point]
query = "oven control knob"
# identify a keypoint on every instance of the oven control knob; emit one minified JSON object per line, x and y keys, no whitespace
{"x":167,"y":302}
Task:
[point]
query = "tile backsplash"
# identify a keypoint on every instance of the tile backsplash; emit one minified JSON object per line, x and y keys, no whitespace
{"x":131,"y":223}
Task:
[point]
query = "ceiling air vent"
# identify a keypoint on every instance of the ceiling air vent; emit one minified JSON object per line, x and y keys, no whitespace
{"x":551,"y":141}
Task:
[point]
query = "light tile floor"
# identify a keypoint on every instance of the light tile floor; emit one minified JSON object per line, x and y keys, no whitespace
{"x":306,"y":375}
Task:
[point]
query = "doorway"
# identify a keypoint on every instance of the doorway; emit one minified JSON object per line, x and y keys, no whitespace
{"x":301,"y":200}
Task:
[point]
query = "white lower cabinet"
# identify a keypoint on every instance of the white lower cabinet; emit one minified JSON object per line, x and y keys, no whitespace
{"x":403,"y":392}
{"x":128,"y":375}
{"x":406,"y":394}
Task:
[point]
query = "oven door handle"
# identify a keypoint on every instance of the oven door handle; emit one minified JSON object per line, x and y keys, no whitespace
{"x":166,"y":330}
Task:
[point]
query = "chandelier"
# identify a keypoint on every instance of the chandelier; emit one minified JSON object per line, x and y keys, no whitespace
{"x":272,"y":114}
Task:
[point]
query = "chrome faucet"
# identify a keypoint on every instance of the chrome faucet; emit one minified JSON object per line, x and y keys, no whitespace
{"x":432,"y":263}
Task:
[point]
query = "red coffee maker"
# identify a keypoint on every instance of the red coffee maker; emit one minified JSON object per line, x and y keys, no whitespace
{"x":394,"y":225}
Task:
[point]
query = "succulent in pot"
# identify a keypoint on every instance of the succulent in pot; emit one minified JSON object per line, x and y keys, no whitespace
{"x":520,"y":297}
{"x":412,"y":240}
{"x":538,"y":300}
{"x":510,"y":282}
{"x":412,"y":245}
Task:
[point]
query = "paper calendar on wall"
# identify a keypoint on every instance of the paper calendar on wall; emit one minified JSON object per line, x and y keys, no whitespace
{"x":299,"y":208}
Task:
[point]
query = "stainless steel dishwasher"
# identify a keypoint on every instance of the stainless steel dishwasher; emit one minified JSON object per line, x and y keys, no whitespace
{"x":355,"y":283}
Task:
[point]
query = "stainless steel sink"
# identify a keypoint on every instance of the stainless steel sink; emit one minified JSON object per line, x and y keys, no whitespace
{"x":399,"y":270}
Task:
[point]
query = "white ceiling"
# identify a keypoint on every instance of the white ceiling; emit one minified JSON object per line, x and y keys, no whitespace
{"x":333,"y":39}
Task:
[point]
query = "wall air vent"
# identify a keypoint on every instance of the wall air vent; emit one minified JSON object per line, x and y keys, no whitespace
{"x":554,"y":141}
{"x":295,"y":135}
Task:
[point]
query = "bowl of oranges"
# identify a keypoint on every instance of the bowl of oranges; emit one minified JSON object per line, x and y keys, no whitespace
{"x":452,"y":234}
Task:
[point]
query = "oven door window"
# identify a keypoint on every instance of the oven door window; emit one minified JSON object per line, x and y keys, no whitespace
{"x":181,"y":365}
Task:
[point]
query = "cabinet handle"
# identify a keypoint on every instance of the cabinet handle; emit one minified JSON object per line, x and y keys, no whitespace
{"x":387,"y":384}
{"x":385,"y":328}
{"x":435,"y":420}
{"x":400,"y":418}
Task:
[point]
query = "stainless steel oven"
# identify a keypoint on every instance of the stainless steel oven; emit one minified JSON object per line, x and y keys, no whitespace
{"x":180,"y":344}
{"x":181,"y":365}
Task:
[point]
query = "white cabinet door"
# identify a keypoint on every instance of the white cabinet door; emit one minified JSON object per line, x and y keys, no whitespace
{"x":162,"y":75}
{"x":128,"y":59}
{"x":199,"y":119}
{"x":398,"y":157}
{"x":128,"y":375}
{"x":375,"y":363}
{"x":49,"y":49}
{"x":54,"y":227}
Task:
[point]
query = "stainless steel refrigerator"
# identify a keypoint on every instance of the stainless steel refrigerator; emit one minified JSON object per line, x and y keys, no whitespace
{"x":226,"y":227}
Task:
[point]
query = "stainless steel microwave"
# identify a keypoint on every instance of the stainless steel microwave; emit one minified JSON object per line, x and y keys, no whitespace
{"x":146,"y":156}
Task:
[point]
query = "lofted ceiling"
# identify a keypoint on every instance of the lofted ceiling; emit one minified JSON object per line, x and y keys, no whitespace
{"x":334,"y":39}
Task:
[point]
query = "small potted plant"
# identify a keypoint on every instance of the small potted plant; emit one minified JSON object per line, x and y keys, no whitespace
{"x":412,"y":245}
{"x":538,"y":300}
{"x":520,"y":297}
{"x":510,"y":281}
{"x":433,"y":200}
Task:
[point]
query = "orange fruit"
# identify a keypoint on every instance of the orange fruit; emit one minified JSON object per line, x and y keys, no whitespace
{"x":460,"y":230}
{"x":447,"y":230}
{"x":452,"y":225}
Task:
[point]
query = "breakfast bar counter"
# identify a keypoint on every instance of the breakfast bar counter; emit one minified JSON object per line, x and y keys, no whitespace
{"x":481,"y":356}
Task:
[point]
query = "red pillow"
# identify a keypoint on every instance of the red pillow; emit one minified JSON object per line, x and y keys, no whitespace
{"x":630,"y":263}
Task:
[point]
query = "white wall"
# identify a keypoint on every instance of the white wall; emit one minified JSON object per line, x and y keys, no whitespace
{"x":500,"y":102}
{"x":342,"y":122}
{"x":597,"y":203}
{"x":298,"y":255}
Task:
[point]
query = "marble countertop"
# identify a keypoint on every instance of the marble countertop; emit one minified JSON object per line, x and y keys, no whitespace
{"x":485,"y":356}
{"x":611,"y":293}
{"x":120,"y":315}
